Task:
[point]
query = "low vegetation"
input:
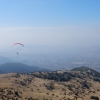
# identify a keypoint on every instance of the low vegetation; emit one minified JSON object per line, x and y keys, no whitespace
{"x":58,"y":85}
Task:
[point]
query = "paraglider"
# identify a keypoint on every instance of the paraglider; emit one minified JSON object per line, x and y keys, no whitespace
{"x":17,"y":44}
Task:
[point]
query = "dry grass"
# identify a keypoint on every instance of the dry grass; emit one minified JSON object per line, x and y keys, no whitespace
{"x":38,"y":88}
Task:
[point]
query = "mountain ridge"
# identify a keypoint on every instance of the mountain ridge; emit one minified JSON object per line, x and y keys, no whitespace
{"x":19,"y":68}
{"x":5,"y":60}
{"x":87,"y":69}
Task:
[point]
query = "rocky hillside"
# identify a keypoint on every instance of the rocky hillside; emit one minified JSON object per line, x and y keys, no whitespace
{"x":88,"y":70}
{"x":58,"y":85}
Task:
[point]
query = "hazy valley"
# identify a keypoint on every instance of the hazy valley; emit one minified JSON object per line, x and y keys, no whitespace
{"x":59,"y":58}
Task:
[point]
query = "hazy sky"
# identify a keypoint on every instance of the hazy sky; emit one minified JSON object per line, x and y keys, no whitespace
{"x":50,"y":22}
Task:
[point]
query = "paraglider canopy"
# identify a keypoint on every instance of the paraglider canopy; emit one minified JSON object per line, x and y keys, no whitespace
{"x":18,"y":44}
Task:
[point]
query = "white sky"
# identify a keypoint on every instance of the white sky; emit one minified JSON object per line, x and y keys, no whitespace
{"x":54,"y":22}
{"x":50,"y":36}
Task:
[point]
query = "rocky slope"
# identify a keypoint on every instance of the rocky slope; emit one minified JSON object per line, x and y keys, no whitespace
{"x":58,"y":85}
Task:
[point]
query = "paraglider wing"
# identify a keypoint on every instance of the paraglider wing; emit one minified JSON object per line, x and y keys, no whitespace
{"x":18,"y":43}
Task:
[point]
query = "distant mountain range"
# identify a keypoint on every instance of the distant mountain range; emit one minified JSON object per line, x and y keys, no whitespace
{"x":18,"y":68}
{"x":5,"y":60}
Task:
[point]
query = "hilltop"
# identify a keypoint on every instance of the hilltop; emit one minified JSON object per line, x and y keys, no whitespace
{"x":88,"y":70}
{"x":57,"y":85}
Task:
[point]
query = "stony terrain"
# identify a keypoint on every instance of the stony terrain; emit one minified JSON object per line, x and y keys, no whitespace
{"x":58,"y":85}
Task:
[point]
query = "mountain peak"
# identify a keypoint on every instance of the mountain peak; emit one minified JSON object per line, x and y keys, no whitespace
{"x":87,"y":69}
{"x":82,"y":68}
